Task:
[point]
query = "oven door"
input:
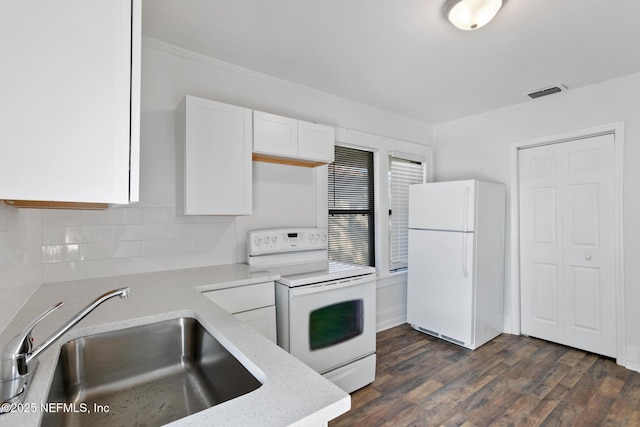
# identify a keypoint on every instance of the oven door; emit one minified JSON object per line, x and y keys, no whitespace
{"x":333,"y":323}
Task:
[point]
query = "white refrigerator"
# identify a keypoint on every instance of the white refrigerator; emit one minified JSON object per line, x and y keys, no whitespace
{"x":456,"y":260}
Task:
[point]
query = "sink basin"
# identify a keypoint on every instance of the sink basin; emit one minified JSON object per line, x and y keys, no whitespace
{"x":146,"y":375}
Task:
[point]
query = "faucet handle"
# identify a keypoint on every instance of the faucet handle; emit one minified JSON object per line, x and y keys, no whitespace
{"x":22,"y":343}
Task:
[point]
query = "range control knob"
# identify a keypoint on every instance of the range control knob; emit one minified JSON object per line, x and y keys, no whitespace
{"x":317,"y":236}
{"x":324,"y":237}
{"x":274,"y":239}
{"x":258,"y":241}
{"x":311,"y":237}
{"x":267,"y":240}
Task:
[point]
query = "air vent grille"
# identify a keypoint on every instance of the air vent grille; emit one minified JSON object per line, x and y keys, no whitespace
{"x":546,"y":91}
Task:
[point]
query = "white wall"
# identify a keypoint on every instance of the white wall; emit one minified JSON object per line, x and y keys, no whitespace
{"x":479,"y":147}
{"x":38,"y":246}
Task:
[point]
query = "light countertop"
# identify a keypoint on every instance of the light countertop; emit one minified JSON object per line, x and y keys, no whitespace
{"x":291,"y":393}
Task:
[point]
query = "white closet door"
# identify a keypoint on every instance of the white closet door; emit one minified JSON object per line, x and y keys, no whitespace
{"x":567,"y":243}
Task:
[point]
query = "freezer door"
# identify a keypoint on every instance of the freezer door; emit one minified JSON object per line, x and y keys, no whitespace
{"x":443,"y":205}
{"x":440,"y":283}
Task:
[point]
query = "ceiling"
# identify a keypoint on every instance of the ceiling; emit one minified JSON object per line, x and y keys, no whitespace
{"x":402,"y":56}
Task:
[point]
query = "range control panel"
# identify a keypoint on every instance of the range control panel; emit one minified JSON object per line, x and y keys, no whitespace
{"x":260,"y":242}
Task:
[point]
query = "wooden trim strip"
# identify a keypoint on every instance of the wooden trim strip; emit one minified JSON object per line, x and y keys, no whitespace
{"x":286,"y":161}
{"x":41,"y":204}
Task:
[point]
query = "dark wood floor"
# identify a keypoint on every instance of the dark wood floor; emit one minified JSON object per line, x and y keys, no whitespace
{"x":510,"y":381}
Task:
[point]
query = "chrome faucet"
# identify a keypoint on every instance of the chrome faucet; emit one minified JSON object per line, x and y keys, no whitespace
{"x":18,"y":364}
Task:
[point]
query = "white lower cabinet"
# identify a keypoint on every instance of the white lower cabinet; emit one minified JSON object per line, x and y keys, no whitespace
{"x":253,"y":304}
{"x":262,"y":320}
{"x":213,"y":152}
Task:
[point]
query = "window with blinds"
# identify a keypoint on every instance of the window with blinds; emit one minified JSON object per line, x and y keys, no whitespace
{"x":351,"y":207}
{"x":402,"y":173}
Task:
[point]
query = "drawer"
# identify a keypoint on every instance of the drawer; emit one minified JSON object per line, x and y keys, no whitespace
{"x":243,"y":298}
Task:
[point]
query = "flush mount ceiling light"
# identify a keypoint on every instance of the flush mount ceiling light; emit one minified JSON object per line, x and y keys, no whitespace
{"x":470,"y":14}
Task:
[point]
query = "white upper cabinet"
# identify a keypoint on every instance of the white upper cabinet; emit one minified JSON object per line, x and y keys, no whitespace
{"x":276,"y":137}
{"x":316,"y":142}
{"x":213,"y":152}
{"x":69,"y":116}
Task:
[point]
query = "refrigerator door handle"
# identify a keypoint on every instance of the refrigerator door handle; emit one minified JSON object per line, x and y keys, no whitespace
{"x":465,"y":210}
{"x":465,"y":271}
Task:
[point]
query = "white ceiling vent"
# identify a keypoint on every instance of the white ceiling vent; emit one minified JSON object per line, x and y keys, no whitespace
{"x":547,"y":91}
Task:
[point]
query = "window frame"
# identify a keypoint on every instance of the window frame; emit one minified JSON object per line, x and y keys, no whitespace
{"x":370,"y":211}
{"x":398,"y":263}
{"x":381,"y":147}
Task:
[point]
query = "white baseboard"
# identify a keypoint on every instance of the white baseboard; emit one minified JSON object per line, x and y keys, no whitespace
{"x":507,"y":325}
{"x":390,"y":322}
{"x":633,"y":358}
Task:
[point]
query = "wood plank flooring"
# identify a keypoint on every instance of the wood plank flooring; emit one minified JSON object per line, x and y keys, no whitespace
{"x":510,"y":381}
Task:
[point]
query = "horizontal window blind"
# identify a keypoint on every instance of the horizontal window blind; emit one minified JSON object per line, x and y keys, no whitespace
{"x":351,"y":207}
{"x":402,"y":173}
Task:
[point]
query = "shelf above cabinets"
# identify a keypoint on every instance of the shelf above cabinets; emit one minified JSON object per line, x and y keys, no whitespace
{"x":279,"y":139}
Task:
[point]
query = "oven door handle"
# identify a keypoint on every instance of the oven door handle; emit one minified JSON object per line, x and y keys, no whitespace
{"x":330,"y":286}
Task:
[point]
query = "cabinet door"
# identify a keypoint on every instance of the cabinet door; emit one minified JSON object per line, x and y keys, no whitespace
{"x":262,"y":320}
{"x":316,"y":142}
{"x":275,"y":135}
{"x":65,"y":116}
{"x":213,"y":158}
{"x":252,"y":304}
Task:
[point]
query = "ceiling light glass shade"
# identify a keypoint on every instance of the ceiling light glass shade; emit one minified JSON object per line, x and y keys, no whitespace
{"x":470,"y":14}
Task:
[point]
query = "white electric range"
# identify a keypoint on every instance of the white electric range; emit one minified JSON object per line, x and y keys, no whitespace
{"x":325,"y":310}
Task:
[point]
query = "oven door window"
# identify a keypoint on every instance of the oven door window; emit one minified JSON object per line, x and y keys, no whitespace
{"x":335,"y":323}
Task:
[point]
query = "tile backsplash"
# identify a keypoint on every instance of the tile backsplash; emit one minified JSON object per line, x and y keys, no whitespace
{"x":49,"y":245}
{"x":86,"y":244}
{"x":20,"y":262}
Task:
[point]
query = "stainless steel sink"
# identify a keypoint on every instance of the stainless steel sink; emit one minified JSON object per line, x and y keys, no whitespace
{"x":143,"y":376}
